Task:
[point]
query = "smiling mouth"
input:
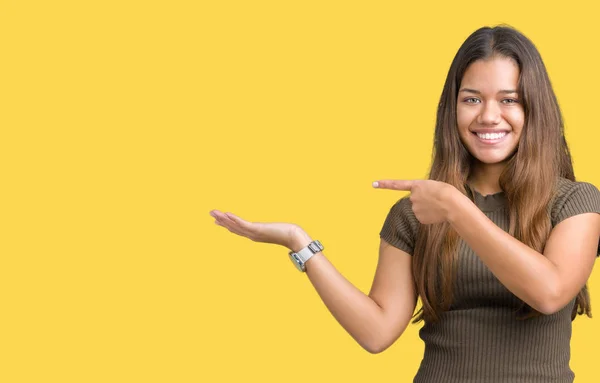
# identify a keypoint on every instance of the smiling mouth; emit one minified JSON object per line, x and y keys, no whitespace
{"x":490,"y":138}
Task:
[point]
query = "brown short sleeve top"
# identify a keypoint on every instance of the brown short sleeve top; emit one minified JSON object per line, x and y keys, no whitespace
{"x":479,"y":339}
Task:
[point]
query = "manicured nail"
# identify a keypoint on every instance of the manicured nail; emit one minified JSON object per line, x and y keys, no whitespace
{"x":375,"y":184}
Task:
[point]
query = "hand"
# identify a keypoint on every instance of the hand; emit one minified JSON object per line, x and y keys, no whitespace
{"x":431,"y":200}
{"x":280,"y":233}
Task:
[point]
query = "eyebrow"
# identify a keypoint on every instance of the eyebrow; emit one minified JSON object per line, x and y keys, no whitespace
{"x":506,"y":91}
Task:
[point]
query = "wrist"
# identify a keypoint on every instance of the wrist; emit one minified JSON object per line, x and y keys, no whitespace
{"x":456,"y":204}
{"x":299,"y":241}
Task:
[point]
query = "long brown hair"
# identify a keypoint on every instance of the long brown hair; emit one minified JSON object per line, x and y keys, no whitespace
{"x":528,"y":180}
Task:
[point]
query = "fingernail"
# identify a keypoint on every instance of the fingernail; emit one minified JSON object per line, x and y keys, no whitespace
{"x":375,"y":184}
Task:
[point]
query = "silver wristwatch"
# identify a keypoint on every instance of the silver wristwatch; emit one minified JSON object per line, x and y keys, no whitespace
{"x":300,"y":258}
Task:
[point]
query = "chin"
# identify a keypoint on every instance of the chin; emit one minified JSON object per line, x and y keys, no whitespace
{"x":493,"y":159}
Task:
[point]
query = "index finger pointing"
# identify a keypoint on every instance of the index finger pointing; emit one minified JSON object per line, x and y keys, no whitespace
{"x":394,"y":184}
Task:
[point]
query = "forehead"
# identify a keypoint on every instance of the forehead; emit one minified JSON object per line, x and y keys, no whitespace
{"x":491,"y":75}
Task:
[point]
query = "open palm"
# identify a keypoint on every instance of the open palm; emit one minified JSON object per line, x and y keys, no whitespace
{"x":279,"y":233}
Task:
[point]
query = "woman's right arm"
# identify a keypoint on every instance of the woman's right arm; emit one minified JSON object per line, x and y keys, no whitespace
{"x":376,"y":320}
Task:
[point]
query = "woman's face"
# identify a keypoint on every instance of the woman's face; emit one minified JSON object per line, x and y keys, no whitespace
{"x":489,"y":113}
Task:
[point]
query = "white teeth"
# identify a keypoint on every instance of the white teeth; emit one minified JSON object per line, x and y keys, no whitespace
{"x":491,"y":136}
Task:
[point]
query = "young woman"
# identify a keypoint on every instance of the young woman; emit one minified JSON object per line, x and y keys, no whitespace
{"x":498,"y":243}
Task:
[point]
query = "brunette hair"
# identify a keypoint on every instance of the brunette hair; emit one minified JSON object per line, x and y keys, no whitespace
{"x":528,"y":181}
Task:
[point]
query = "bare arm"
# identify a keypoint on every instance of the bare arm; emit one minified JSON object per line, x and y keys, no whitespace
{"x":376,"y":320}
{"x":548,"y":281}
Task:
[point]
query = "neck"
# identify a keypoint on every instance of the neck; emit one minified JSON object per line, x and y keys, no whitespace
{"x":485,"y":178}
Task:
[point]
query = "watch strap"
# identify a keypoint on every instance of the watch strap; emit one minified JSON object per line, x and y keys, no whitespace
{"x":302,"y":256}
{"x":310,"y":250}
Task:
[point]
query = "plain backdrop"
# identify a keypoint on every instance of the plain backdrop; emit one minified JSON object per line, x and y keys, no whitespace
{"x":123,"y":123}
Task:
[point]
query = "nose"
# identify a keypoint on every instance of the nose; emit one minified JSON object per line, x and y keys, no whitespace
{"x":490,"y":114}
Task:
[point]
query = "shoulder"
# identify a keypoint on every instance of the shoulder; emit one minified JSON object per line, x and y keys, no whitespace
{"x":572,"y":198}
{"x":403,"y":208}
{"x":401,"y":226}
{"x":564,"y":185}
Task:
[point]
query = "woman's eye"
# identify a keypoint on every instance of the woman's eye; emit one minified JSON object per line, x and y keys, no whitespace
{"x":510,"y":101}
{"x":471,"y":100}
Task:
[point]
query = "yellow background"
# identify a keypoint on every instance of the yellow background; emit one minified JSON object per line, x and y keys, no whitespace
{"x":124,"y":122}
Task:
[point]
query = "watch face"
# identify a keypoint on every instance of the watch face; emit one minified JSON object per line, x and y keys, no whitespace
{"x":296,"y":261}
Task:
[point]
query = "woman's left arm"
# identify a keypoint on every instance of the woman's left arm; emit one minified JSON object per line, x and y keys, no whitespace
{"x":547,"y":282}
